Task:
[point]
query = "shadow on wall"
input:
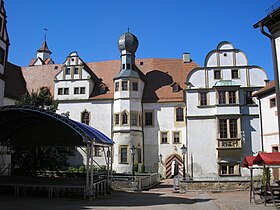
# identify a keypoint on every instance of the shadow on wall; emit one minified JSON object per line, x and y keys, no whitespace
{"x":246,"y":137}
{"x":154,"y":80}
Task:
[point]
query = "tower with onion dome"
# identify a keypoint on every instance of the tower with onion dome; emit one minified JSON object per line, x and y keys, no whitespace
{"x":127,"y":127}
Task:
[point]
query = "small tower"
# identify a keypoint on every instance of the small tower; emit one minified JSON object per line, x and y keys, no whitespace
{"x":129,"y":86}
{"x":43,"y":55}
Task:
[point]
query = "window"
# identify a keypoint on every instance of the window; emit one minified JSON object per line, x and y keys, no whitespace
{"x":135,"y":86}
{"x":82,"y":90}
{"x":139,"y":156}
{"x":164,"y":139}
{"x":148,"y":118}
{"x":232,"y":97}
{"x":124,"y":85}
{"x":222,"y":97}
{"x":134,"y":119}
{"x":175,"y":88}
{"x":176,"y":137}
{"x":123,"y":66}
{"x":76,"y":70}
{"x":63,"y":91}
{"x":2,"y":55}
{"x":203,"y":99}
{"x":272,"y":102}
{"x":223,"y":128}
{"x":228,"y":128}
{"x":234,"y":74}
{"x":249,"y":98}
{"x":123,"y":154}
{"x":103,"y":88}
{"x":179,"y":114}
{"x":66,"y":91}
{"x":117,"y":85}
{"x":124,"y":118}
{"x":128,"y":66}
{"x":229,"y":169}
{"x":67,"y":71}
{"x":217,"y":74}
{"x":79,"y":90}
{"x":60,"y":91}
{"x":85,"y":117}
{"x":76,"y":90}
{"x":97,"y":151}
{"x":117,"y":119}
{"x":233,"y":128}
{"x":227,"y":97}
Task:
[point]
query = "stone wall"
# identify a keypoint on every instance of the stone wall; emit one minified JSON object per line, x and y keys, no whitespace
{"x":214,"y":185}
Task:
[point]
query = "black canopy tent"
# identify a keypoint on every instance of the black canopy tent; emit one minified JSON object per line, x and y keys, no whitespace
{"x":32,"y":126}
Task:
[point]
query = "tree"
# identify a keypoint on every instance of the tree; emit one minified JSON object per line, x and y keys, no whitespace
{"x":31,"y":160}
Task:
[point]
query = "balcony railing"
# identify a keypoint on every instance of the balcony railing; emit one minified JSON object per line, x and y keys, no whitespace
{"x":229,"y":144}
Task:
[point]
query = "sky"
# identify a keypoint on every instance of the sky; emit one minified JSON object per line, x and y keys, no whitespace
{"x":164,"y":28}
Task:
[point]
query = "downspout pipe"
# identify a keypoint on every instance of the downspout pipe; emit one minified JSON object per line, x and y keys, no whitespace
{"x":261,"y":122}
{"x":276,"y":74}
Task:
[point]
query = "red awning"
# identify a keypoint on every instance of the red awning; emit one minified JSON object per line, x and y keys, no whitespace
{"x":272,"y":158}
{"x":248,"y":161}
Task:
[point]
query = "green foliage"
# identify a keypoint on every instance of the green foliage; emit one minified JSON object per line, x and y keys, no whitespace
{"x":33,"y":160}
{"x":42,"y":99}
{"x":266,"y":176}
{"x":143,"y":168}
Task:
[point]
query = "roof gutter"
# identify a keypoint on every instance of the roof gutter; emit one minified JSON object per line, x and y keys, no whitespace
{"x":275,"y":68}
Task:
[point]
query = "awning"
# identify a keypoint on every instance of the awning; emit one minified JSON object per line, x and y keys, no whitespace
{"x":268,"y":159}
{"x":248,"y":161}
{"x":32,"y":126}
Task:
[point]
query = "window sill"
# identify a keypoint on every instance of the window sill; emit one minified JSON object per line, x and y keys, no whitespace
{"x":226,"y":175}
{"x":124,"y":163}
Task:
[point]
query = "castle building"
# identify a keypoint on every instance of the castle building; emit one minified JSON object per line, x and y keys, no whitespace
{"x":158,"y":105}
{"x":4,"y":46}
{"x":222,"y":117}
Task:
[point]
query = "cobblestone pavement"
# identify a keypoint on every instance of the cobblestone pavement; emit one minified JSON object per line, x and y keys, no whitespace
{"x":161,"y":197}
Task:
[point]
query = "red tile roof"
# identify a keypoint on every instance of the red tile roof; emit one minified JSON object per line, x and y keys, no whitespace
{"x":269,"y":87}
{"x":159,"y":73}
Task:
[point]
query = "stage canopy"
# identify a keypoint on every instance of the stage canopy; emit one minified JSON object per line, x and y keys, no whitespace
{"x":31,"y":126}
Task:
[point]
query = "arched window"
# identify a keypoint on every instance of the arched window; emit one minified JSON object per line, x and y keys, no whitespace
{"x":124,"y":118}
{"x":85,"y":117}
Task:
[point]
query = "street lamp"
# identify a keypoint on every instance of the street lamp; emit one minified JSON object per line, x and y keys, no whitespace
{"x":160,"y":158}
{"x":132,"y":151}
{"x":184,"y":152}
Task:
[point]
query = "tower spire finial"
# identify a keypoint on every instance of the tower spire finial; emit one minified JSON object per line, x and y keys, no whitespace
{"x":45,"y":37}
{"x":128,"y":29}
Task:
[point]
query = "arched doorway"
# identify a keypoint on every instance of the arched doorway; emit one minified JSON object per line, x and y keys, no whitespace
{"x":174,"y":166}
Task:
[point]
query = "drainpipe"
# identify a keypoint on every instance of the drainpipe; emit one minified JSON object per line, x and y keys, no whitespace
{"x":276,"y":75}
{"x":261,"y":122}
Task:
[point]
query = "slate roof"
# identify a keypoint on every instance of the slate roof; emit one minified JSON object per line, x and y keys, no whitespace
{"x":270,"y":87}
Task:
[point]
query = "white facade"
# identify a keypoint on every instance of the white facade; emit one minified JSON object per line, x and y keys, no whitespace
{"x":222,"y":118}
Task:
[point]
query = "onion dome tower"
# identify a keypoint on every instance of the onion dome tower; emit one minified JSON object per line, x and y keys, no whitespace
{"x":128,"y":93}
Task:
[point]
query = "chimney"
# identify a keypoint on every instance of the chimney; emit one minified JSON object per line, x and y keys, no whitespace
{"x":186,"y":57}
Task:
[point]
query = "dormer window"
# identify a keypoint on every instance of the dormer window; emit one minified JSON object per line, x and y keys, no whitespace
{"x":67,"y":71}
{"x":103,"y":88}
{"x":175,"y":88}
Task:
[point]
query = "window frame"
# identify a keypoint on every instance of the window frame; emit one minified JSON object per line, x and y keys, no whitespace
{"x":117,"y":86}
{"x":229,"y":169}
{"x":135,"y":86}
{"x":151,"y":112}
{"x":117,"y":119}
{"x":124,"y":118}
{"x":229,"y":128}
{"x":174,"y":136}
{"x":124,"y":85}
{"x":121,"y":160}
{"x":165,"y":138}
{"x":85,"y":119}
{"x":272,"y":102}
{"x":235,"y":74}
{"x":219,"y":76}
{"x":203,"y":98}
{"x":179,"y":117}
{"x":67,"y":71}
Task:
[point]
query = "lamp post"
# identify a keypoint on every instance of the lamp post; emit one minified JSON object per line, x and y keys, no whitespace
{"x":184,"y":152}
{"x":132,"y":151}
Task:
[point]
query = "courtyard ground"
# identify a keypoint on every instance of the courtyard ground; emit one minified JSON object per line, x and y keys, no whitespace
{"x":161,"y":197}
